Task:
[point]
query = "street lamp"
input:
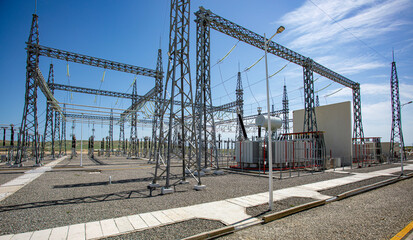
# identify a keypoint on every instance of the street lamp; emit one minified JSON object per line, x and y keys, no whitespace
{"x":401,"y":145}
{"x":270,"y":201}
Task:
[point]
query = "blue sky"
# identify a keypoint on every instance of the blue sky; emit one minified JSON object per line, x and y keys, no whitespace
{"x":353,"y":38}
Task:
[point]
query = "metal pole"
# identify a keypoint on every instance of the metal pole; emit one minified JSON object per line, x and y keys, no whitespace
{"x":270,"y":201}
{"x":81,"y":142}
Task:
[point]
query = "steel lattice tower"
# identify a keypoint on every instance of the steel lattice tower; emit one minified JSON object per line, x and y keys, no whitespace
{"x":29,"y":122}
{"x":48,"y":127}
{"x":63,"y":136}
{"x":204,"y":111}
{"x":285,"y":111}
{"x":396,"y":127}
{"x":310,"y":122}
{"x":154,"y":151}
{"x":178,"y":88}
{"x":57,"y":131}
{"x":111,"y":131}
{"x":134,"y":117}
{"x":317,"y":101}
{"x":239,"y":92}
{"x":121,"y":144}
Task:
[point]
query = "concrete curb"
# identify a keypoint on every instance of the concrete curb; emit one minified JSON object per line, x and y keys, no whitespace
{"x":290,"y":211}
{"x":370,"y":187}
{"x":212,"y":234}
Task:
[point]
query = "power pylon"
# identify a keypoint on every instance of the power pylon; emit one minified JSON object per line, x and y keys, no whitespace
{"x":396,"y":129}
{"x":48,"y":127}
{"x":310,"y":122}
{"x":134,"y":117}
{"x":155,"y":146}
{"x":239,"y":92}
{"x":285,"y":111}
{"x":29,"y":122}
{"x":178,"y":88}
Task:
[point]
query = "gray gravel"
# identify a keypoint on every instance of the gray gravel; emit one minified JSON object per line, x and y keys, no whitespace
{"x":378,"y":214}
{"x":8,"y":176}
{"x":71,"y":196}
{"x":372,"y":168}
{"x":261,"y":210}
{"x":173,"y":231}
{"x":347,"y":187}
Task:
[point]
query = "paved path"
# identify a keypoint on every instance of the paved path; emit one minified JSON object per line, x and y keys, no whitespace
{"x":229,"y":211}
{"x":14,"y":185}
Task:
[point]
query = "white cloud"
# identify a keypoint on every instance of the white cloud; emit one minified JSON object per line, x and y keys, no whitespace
{"x":311,"y":26}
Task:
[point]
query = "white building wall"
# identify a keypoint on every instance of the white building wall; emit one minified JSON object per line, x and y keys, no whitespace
{"x":335,"y":121}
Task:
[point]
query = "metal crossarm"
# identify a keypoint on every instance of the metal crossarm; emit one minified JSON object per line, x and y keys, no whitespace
{"x":93,"y":61}
{"x":238,"y":32}
{"x":63,"y":87}
{"x":46,"y":91}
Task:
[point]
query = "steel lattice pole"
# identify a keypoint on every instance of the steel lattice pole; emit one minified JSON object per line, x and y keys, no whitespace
{"x":29,"y":122}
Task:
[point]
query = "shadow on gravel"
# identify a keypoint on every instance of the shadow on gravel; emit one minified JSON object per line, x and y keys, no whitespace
{"x":142,"y":193}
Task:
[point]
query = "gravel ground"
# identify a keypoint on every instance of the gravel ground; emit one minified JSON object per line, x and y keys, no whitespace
{"x":405,"y":172}
{"x":378,"y":214}
{"x":8,"y":176}
{"x":173,"y":231}
{"x":347,"y":187}
{"x":61,"y":198}
{"x":261,"y":210}
{"x":372,"y":168}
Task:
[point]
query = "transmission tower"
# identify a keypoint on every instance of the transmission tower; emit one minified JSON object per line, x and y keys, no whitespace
{"x":155,"y":147}
{"x":285,"y":111}
{"x":29,"y":122}
{"x":48,"y":127}
{"x":133,"y":130}
{"x":239,"y":92}
{"x":63,"y":136}
{"x":310,"y":123}
{"x":317,"y":101}
{"x":111,"y":131}
{"x":178,"y":88}
{"x":121,"y":144}
{"x":396,"y":128}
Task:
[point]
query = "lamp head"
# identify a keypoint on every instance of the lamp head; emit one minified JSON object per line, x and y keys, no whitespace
{"x":280,"y":29}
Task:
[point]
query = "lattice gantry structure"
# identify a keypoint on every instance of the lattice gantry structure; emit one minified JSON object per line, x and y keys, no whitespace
{"x":35,"y":79}
{"x":285,"y":112}
{"x":396,"y":125}
{"x":179,"y":137}
{"x":239,"y":92}
{"x":309,"y":67}
{"x":207,"y":149}
{"x":49,"y":133}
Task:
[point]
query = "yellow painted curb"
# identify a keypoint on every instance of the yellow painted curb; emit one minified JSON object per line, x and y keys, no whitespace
{"x":290,"y":211}
{"x":403,"y":232}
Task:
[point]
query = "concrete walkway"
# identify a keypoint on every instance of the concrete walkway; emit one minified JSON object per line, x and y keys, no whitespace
{"x":230,"y":211}
{"x":14,"y":185}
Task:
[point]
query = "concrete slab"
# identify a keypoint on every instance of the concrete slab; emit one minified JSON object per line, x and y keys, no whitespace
{"x":93,"y":230}
{"x":253,"y":201}
{"x":22,"y":236}
{"x":301,"y":192}
{"x":240,"y":202}
{"x":173,"y":215}
{"x":59,"y":233}
{"x":162,"y":217}
{"x":6,"y":237}
{"x":183,"y":213}
{"x":123,"y":224}
{"x":224,"y":211}
{"x":150,"y":220}
{"x":137,"y":222}
{"x":9,"y":189}
{"x":76,"y":232}
{"x":109,"y":227}
{"x":41,"y":235}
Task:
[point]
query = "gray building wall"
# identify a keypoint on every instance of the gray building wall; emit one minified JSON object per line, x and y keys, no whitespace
{"x":335,"y":121}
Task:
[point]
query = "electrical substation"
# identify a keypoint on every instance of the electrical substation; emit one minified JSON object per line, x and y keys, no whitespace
{"x":187,"y":154}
